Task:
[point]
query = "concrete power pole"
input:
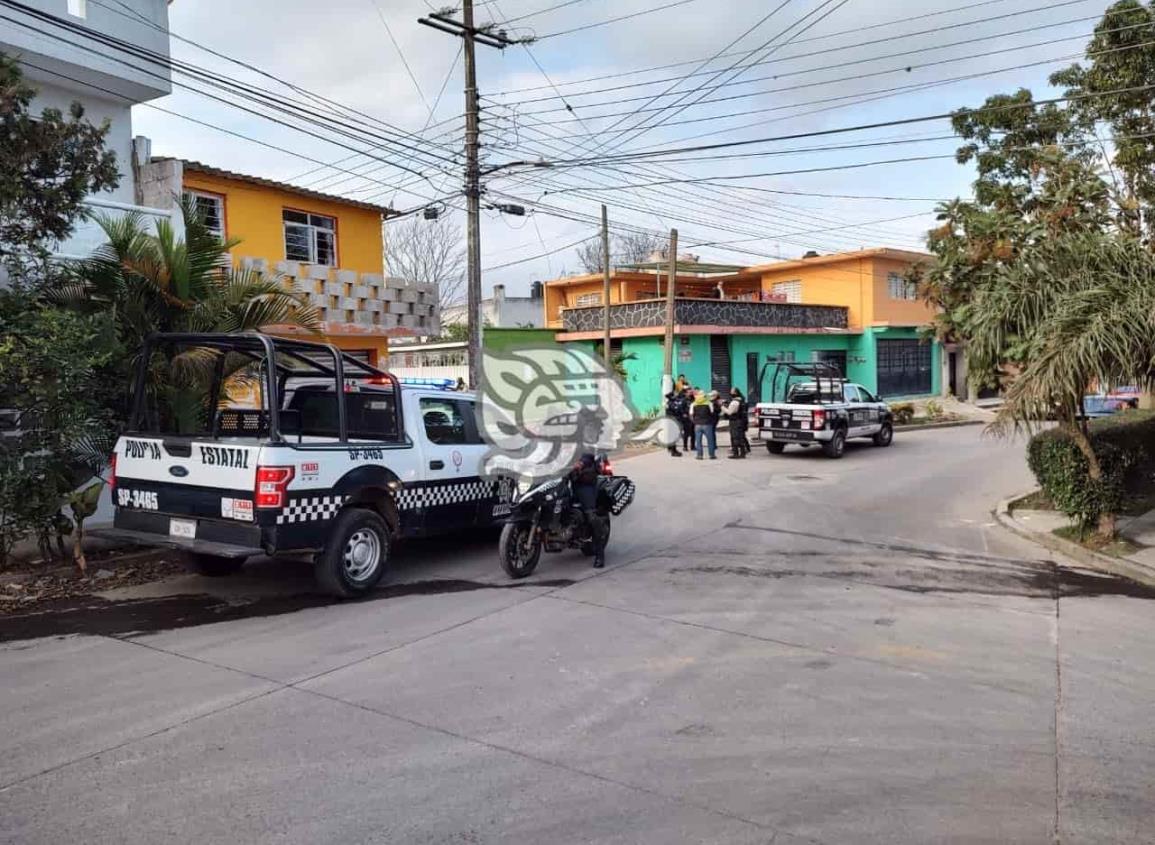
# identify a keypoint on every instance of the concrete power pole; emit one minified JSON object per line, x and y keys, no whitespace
{"x":471,"y":35}
{"x":606,"y":289}
{"x":671,"y":287}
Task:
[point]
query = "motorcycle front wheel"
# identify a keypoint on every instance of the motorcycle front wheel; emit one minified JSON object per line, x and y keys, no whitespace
{"x":519,"y":549}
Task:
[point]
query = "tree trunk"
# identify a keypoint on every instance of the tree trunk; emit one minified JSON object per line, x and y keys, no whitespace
{"x":78,"y":547}
{"x":1106,"y":528}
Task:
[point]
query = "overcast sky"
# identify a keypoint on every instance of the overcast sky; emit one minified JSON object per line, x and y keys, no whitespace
{"x":813,"y":80}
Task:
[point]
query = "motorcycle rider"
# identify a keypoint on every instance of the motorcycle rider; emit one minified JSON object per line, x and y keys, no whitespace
{"x":584,"y":482}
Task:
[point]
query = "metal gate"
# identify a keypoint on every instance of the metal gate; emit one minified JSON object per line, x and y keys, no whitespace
{"x":720,"y":364}
{"x":903,"y":367}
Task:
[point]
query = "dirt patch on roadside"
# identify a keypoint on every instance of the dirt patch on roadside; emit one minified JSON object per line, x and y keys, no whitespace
{"x":36,"y":587}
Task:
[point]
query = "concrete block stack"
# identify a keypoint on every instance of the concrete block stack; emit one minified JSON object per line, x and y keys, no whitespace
{"x":365,"y":299}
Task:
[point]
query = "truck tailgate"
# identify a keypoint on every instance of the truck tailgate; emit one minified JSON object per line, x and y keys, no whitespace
{"x":201,"y":478}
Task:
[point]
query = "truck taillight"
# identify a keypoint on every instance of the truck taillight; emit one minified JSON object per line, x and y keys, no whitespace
{"x":112,"y":474}
{"x":819,"y":420}
{"x":606,"y":468}
{"x":272,"y":486}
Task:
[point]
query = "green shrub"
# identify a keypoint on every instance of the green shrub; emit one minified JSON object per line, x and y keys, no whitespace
{"x":1124,"y":444}
{"x":934,"y":409}
{"x":903,"y":412}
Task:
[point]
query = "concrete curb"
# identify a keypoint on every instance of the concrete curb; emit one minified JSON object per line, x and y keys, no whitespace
{"x":1121,"y":567}
{"x":898,"y":429}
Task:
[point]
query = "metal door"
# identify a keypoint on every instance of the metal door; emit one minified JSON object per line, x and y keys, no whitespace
{"x":720,"y":364}
{"x":903,"y":367}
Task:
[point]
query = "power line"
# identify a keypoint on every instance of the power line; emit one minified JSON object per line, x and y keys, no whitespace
{"x":609,"y":21}
{"x":255,"y":95}
{"x":855,"y":62}
{"x":542,"y":11}
{"x":855,"y":31}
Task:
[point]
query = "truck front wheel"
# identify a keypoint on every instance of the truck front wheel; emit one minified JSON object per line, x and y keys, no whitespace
{"x":836,"y":445}
{"x":355,"y":556}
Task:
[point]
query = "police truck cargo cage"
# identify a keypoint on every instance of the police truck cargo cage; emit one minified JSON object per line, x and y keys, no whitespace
{"x":245,"y":444}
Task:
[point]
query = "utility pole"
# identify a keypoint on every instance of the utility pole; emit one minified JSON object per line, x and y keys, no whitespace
{"x":471,"y":35}
{"x":606,"y":289}
{"x":671,"y":287}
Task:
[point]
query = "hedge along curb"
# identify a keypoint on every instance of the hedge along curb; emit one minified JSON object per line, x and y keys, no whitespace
{"x":949,"y":424}
{"x":1122,"y":567}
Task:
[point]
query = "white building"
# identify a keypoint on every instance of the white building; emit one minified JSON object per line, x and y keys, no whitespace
{"x":108,"y":56}
{"x":503,"y":312}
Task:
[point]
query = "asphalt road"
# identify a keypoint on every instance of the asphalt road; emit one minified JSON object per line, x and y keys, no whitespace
{"x":786,"y":649}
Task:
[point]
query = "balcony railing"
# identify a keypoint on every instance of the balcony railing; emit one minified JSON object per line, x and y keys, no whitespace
{"x":651,"y":313}
{"x":88,"y":235}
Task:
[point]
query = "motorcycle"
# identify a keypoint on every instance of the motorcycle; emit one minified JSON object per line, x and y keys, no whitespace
{"x":548,"y":517}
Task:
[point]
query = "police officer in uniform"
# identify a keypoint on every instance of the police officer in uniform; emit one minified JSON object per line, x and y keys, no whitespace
{"x":584,"y":481}
{"x":737,"y":412}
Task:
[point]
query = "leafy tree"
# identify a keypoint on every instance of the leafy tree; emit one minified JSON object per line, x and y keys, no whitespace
{"x":1112,"y":95}
{"x":56,"y":367}
{"x":49,"y":163}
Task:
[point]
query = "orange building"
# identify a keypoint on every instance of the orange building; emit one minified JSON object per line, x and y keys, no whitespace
{"x":852,"y":309}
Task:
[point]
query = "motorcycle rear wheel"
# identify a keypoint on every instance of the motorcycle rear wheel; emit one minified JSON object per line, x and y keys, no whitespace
{"x":518,"y":550}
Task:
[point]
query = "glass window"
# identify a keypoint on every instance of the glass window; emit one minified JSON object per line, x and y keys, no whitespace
{"x":790,"y":291}
{"x":371,"y":414}
{"x":587,"y":299}
{"x":899,"y":288}
{"x":444,"y":422}
{"x":211,"y":210}
{"x":850,"y":393}
{"x":866,"y":395}
{"x":310,"y":238}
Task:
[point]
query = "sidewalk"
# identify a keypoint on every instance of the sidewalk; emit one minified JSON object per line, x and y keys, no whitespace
{"x":1039,"y":527}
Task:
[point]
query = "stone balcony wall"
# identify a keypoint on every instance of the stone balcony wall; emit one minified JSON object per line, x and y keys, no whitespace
{"x":651,"y":313}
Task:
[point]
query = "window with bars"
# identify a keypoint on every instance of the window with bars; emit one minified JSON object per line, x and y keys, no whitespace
{"x":310,"y":238}
{"x":900,"y":288}
{"x":210,"y":208}
{"x":588,"y":299}
{"x":790,"y":291}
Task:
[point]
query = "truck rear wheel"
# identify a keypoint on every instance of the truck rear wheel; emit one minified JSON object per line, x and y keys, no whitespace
{"x":213,"y":566}
{"x":355,"y":556}
{"x":775,"y":448}
{"x":836,"y":445}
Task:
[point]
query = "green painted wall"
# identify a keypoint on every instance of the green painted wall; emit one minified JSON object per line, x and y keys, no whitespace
{"x":503,"y":339}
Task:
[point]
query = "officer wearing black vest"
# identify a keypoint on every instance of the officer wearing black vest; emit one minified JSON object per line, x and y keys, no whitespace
{"x":737,"y":412}
{"x":584,"y":480}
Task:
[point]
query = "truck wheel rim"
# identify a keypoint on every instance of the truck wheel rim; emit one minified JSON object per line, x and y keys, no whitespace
{"x":362,"y":554}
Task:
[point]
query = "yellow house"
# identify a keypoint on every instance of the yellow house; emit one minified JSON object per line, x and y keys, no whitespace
{"x":327,"y":247}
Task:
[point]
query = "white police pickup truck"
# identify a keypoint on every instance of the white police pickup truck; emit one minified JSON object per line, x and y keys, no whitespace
{"x":822,"y":409}
{"x":245,"y":444}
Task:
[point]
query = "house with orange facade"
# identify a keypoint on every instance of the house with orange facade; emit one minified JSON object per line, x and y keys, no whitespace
{"x":328,"y":248}
{"x":852,"y":309}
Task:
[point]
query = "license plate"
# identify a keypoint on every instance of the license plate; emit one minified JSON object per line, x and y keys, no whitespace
{"x":791,"y":435}
{"x":186,"y":528}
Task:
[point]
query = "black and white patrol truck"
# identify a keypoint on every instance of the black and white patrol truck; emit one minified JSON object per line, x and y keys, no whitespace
{"x":818,"y":407}
{"x":245,"y":444}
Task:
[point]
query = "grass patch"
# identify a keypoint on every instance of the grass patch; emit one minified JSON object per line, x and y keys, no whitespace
{"x":1118,"y":547}
{"x":1036,"y":501}
{"x":941,"y":418}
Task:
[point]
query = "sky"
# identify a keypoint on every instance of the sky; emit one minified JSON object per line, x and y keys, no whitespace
{"x":787,"y":67}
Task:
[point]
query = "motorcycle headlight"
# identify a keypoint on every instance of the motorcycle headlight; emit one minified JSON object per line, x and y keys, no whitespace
{"x":549,"y":497}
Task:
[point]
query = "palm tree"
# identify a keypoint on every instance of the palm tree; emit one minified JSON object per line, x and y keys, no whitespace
{"x":1077,"y":309}
{"x":159,"y":283}
{"x":156,"y":282}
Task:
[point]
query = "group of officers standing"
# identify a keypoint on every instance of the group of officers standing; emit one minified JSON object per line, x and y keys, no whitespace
{"x":698,"y":413}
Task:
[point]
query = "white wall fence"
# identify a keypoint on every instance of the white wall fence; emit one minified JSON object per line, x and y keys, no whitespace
{"x":454,"y":372}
